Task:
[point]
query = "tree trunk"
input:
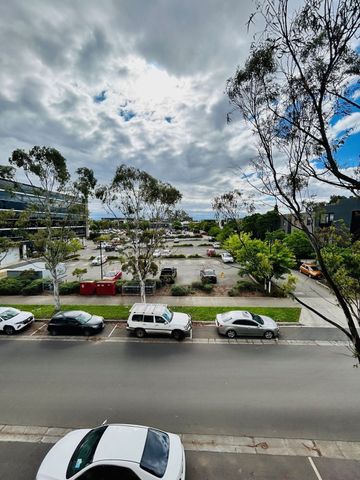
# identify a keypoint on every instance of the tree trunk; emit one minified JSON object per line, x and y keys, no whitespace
{"x":142,"y":290}
{"x":57,"y":303}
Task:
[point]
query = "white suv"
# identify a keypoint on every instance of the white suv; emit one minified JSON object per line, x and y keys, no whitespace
{"x":157,"y":318}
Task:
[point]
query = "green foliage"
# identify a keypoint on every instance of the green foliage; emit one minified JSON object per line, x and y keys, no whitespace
{"x":79,"y":273}
{"x":180,"y":290}
{"x":245,"y":286}
{"x":204,"y":287}
{"x":194,"y":255}
{"x":260,"y":224}
{"x":261,"y":259}
{"x":68,"y":288}
{"x":11,"y":286}
{"x":299,"y":243}
{"x":288,"y":286}
{"x":36,"y":287}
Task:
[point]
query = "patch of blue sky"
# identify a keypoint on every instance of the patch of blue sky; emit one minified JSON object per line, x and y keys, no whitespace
{"x":101,"y":97}
{"x":127,"y":115}
{"x":168,"y":119}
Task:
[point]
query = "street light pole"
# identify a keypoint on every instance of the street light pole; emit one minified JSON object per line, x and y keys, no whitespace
{"x":101,"y":260}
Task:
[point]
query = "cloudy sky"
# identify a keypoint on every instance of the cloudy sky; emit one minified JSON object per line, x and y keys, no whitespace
{"x":128,"y":81}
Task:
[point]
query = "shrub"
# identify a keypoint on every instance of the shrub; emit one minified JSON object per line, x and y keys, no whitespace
{"x":159,"y":283}
{"x":180,"y":290}
{"x":179,"y":255}
{"x":194,"y":255}
{"x":185,"y":245}
{"x":207,"y":287}
{"x":247,"y":286}
{"x":28,"y":276}
{"x":11,"y":286}
{"x":197,"y":285}
{"x":119,"y":285}
{"x":67,"y":288}
{"x":35,"y":287}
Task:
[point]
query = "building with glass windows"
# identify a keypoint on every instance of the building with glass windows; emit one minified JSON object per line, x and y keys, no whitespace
{"x":17,"y":198}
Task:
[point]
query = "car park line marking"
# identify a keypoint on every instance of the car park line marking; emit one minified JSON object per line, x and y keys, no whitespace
{"x":112,"y":331}
{"x":314,"y":468}
{"x":37,"y":330}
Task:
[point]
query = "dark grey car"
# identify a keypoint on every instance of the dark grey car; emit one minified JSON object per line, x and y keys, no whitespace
{"x":246,"y":324}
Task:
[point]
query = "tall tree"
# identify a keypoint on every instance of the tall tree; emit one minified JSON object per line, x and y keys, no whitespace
{"x":301,"y":75}
{"x":52,"y":206}
{"x":85,"y":184}
{"x":144,"y":202}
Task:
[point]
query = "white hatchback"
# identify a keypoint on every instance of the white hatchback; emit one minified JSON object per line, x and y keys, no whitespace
{"x":12,"y":320}
{"x":111,"y":452}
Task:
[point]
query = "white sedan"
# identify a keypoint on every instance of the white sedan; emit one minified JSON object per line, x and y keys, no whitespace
{"x":98,"y":261}
{"x":12,"y":320}
{"x":227,"y":257}
{"x":111,"y":452}
{"x":157,"y":253}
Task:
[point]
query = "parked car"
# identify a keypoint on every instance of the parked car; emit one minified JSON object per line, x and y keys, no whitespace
{"x":157,"y":253}
{"x":246,"y":324}
{"x":12,"y":320}
{"x":98,"y":260}
{"x":210,"y":252}
{"x":176,"y":240}
{"x":157,"y":318}
{"x":227,"y":257}
{"x":216,"y":245}
{"x":113,"y":452}
{"x":168,"y":274}
{"x":311,"y":270}
{"x":208,"y":275}
{"x":110,"y":248}
{"x":166,"y":253}
{"x":75,"y":322}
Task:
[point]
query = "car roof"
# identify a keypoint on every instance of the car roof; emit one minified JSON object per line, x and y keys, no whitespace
{"x":70,"y":313}
{"x":239,"y":314}
{"x":148,"y":308}
{"x":208,"y":271}
{"x":3,"y":309}
{"x":123,"y":442}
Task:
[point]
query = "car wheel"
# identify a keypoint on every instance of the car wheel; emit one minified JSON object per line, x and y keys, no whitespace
{"x":53,"y":332}
{"x":9,"y":330}
{"x":231,"y":334}
{"x":269,"y":335}
{"x":178,"y":335}
{"x":87,"y":332}
{"x":140,"y":333}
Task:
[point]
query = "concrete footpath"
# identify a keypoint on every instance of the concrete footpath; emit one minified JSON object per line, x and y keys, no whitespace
{"x":307,"y":318}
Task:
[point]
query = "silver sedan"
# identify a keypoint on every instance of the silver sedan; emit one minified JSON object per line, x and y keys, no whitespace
{"x":246,"y":324}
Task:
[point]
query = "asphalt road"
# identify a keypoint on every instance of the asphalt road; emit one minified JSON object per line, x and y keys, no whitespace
{"x":290,"y":392}
{"x":199,"y":465}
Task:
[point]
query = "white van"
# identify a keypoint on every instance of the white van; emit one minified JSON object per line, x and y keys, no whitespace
{"x":158,"y":318}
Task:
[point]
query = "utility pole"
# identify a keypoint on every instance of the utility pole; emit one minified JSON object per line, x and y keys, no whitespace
{"x":101,"y":260}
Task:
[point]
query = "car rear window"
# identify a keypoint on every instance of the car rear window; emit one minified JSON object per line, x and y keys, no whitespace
{"x":85,"y":451}
{"x":156,"y":453}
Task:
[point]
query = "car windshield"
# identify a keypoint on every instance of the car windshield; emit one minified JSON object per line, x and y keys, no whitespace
{"x":209,"y":272}
{"x":83,"y":317}
{"x":85,"y":451}
{"x":315,"y":268}
{"x":168,"y":315}
{"x":156,"y":453}
{"x":257,"y":318}
{"x":9,"y":313}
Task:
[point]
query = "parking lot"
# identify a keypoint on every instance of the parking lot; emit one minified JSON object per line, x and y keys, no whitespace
{"x":188,"y":269}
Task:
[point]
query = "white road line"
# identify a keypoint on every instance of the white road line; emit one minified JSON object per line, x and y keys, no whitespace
{"x":112,"y":331}
{"x":34,"y":333}
{"x":314,"y":468}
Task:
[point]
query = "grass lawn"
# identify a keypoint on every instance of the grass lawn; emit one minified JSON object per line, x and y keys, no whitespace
{"x":198,"y":314}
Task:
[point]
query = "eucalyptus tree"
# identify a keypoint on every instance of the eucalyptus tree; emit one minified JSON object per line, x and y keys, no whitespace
{"x":301,"y":75}
{"x":144,"y":203}
{"x":54,"y":204}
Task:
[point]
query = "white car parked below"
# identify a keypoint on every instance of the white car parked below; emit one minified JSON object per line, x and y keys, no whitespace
{"x":113,"y":452}
{"x":12,"y":320}
{"x":98,"y":261}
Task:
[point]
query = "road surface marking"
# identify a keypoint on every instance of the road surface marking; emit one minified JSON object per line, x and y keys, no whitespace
{"x":314,"y":468}
{"x":37,"y":330}
{"x":112,"y":331}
